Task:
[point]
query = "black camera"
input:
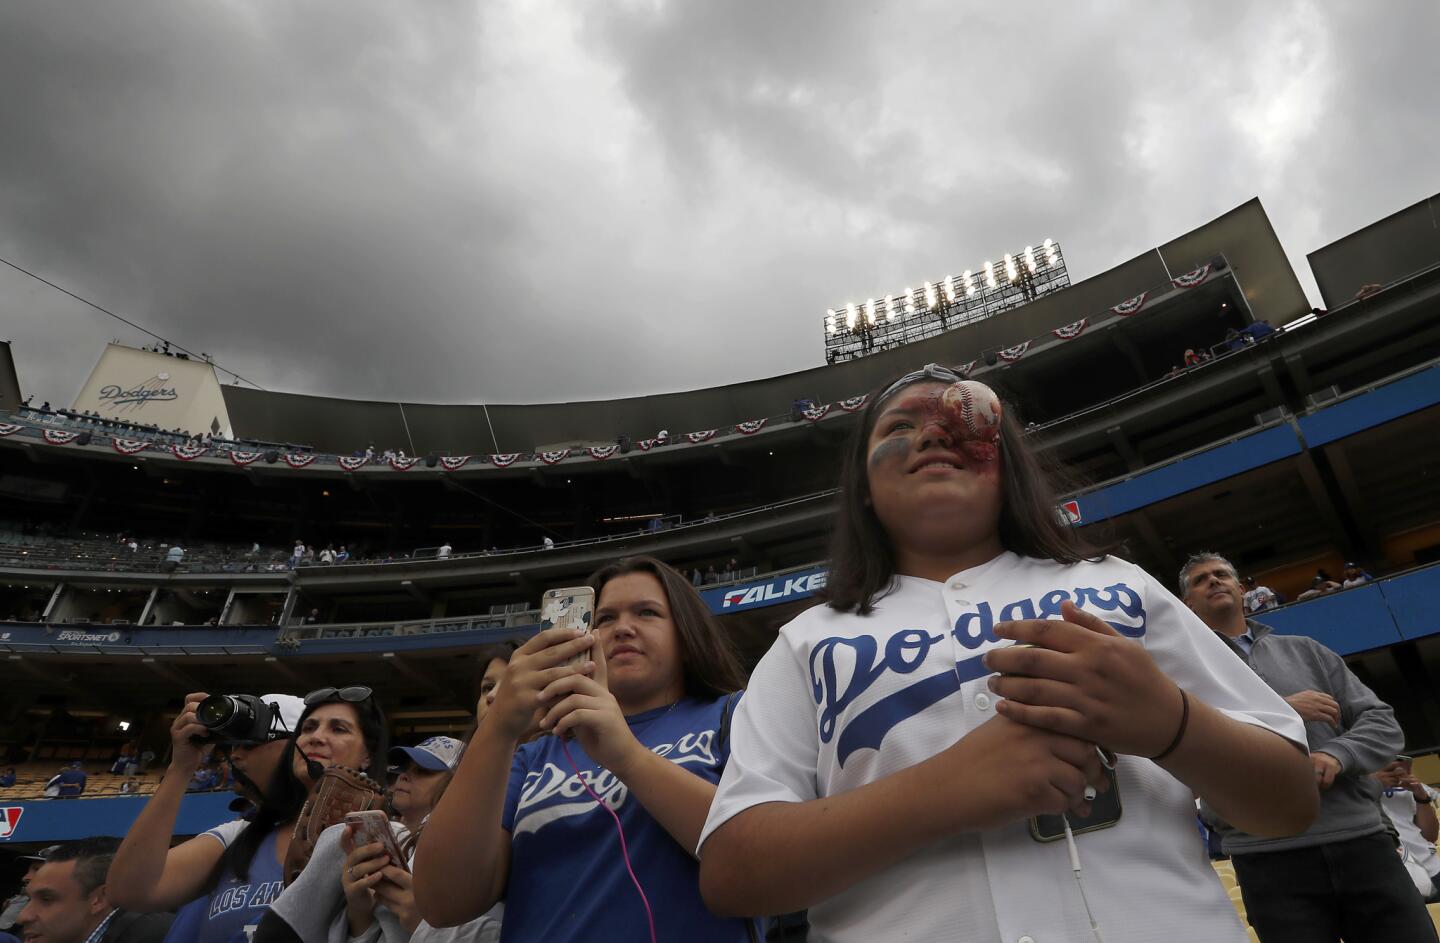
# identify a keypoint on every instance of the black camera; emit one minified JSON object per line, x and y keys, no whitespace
{"x":238,"y":718}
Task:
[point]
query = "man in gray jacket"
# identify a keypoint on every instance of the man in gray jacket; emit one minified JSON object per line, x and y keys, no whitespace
{"x":1342,"y":877}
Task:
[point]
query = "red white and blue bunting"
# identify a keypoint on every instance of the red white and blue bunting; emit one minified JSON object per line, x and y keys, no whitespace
{"x":7,"y":428}
{"x":504,"y":459}
{"x":60,"y":437}
{"x":601,"y":452}
{"x":1071,"y":331}
{"x":352,"y":462}
{"x":454,"y":462}
{"x":1191,"y":279}
{"x":816,"y":413}
{"x":243,"y":458}
{"x":299,"y":459}
{"x":854,"y":403}
{"x":750,"y":426}
{"x":1012,"y":354}
{"x":129,"y":446}
{"x":965,"y":369}
{"x":403,"y":464}
{"x":646,"y":445}
{"x":188,"y":453}
{"x":555,"y":457}
{"x":695,"y":438}
{"x":1127,"y":308}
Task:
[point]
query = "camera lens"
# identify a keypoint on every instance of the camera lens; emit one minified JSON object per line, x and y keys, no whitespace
{"x":216,"y":710}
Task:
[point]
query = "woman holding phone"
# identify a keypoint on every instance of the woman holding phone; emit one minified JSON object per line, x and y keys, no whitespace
{"x":638,"y":725}
{"x":900,"y":769}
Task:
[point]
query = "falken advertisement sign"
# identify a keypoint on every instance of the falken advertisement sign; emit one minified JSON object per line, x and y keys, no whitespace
{"x":786,"y":588}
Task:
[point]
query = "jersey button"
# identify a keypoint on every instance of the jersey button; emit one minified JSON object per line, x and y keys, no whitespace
{"x":982,"y":701}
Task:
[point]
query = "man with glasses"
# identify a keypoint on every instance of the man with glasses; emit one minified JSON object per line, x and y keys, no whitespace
{"x":1341,"y":878}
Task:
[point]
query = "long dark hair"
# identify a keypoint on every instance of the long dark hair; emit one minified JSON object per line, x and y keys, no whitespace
{"x":708,"y":659}
{"x":280,"y":801}
{"x":862,"y":555}
{"x":285,"y":794}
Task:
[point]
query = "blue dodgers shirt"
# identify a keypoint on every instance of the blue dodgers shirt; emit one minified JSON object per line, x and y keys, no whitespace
{"x":237,"y":904}
{"x":567,"y":876}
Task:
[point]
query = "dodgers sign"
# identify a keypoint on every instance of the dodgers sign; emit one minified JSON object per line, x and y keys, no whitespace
{"x":787,"y":588}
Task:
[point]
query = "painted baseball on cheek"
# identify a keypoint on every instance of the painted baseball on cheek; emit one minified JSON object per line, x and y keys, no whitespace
{"x":971,"y":413}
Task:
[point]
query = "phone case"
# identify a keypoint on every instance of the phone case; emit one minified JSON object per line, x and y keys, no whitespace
{"x":374,"y":826}
{"x":1105,"y":810}
{"x":572,"y":607}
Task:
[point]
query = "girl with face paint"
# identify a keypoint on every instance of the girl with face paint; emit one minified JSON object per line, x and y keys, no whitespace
{"x":894,"y":745}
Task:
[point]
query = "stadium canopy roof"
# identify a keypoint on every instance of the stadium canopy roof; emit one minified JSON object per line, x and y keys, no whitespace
{"x":1243,"y":236}
{"x":1386,"y":251}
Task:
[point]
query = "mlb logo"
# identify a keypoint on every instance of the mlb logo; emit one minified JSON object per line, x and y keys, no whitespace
{"x":9,"y":820}
{"x":1070,"y":513}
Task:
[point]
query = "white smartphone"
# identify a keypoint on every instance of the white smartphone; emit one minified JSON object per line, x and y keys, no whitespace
{"x":374,"y":826}
{"x":571,"y":607}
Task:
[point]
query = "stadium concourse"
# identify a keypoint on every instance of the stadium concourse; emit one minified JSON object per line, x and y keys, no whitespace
{"x":276,"y":550}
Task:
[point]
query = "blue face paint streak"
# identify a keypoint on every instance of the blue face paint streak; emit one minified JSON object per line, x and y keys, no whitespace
{"x":893,"y":449}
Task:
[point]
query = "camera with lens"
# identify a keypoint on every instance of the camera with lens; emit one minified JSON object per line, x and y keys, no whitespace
{"x":238,"y":718}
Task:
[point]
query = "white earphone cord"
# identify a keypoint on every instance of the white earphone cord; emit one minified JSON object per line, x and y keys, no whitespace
{"x":1075,"y":866}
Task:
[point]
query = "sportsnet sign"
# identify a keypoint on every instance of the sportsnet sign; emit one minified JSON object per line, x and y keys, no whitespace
{"x":787,"y":588}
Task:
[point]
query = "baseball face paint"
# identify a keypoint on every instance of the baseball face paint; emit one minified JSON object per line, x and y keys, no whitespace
{"x":971,"y":413}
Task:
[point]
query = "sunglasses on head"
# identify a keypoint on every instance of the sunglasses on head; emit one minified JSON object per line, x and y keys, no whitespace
{"x":354,"y":694}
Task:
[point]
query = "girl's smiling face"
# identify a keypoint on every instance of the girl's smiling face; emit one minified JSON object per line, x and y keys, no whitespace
{"x":933,"y":491}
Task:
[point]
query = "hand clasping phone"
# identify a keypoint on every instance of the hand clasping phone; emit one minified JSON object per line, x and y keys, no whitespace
{"x":1105,"y":811}
{"x":374,"y":826}
{"x":571,"y":607}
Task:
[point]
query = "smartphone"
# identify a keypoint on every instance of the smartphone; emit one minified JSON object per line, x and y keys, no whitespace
{"x":374,"y":826}
{"x":572,"y":607}
{"x":1105,"y":811}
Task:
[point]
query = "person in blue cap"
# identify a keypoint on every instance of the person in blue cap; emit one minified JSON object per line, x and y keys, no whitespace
{"x":425,"y":771}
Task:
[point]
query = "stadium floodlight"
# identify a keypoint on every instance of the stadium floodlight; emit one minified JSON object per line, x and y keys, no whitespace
{"x":830,"y":326}
{"x":1030,"y":259}
{"x":932,"y":300}
{"x":948,"y":284}
{"x":969,"y":284}
{"x":890,"y":307}
{"x":870,"y":312}
{"x":1011,"y":272}
{"x":1052,"y":255}
{"x":990,"y":275}
{"x":907,"y":306}
{"x":851,"y":315}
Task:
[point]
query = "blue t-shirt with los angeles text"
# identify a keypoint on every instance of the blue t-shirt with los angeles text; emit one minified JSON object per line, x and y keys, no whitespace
{"x":236,"y":905}
{"x":567,"y":878}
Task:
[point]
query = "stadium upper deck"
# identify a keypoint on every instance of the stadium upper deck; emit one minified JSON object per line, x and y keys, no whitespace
{"x":1301,"y":450}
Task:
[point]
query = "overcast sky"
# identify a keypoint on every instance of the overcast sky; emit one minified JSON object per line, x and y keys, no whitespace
{"x":498,"y":201}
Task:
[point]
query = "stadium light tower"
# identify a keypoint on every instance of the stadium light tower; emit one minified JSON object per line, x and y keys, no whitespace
{"x":881,"y":323}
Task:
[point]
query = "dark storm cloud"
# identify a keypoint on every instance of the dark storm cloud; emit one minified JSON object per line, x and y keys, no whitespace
{"x":511,"y":202}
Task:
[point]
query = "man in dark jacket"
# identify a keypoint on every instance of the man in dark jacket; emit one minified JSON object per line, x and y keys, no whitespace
{"x":68,"y":903}
{"x":1342,"y":876}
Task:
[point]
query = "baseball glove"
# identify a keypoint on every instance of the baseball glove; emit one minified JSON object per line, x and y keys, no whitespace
{"x":341,"y":790}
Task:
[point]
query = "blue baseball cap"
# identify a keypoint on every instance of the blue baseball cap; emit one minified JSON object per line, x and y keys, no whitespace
{"x":437,"y":754}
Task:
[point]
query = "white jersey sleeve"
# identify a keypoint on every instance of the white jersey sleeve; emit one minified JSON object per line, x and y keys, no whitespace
{"x":773,"y":740}
{"x":1197,"y":660}
{"x":227,"y":832}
